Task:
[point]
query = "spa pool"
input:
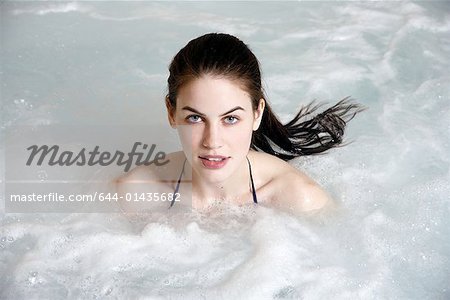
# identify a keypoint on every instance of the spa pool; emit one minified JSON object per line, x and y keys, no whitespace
{"x":99,"y":63}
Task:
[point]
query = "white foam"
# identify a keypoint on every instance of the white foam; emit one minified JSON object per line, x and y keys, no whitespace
{"x":44,"y":9}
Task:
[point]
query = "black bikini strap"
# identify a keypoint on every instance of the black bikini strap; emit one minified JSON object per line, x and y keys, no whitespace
{"x":255,"y":200}
{"x":178,"y":185}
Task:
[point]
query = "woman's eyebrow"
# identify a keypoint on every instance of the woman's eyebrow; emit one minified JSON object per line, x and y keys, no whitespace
{"x":231,"y":110}
{"x":202,"y":114}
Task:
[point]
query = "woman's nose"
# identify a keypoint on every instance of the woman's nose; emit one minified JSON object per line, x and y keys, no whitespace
{"x":211,"y":137}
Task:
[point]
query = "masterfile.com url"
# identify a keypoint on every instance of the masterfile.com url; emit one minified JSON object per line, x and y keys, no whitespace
{"x":58,"y":197}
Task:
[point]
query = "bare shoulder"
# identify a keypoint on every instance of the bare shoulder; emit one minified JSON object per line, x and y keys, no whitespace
{"x":287,"y":187}
{"x":143,"y":180}
{"x":142,"y":174}
{"x":303,"y":193}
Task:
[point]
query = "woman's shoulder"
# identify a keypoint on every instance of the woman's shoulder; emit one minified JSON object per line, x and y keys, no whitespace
{"x":154,"y":172}
{"x":268,"y":162}
{"x":147,"y":183}
{"x":285,"y":186}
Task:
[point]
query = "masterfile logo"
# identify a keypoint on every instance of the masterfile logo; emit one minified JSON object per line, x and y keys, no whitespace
{"x":53,"y":155}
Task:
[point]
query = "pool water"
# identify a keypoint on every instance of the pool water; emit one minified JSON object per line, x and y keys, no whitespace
{"x":96,"y":63}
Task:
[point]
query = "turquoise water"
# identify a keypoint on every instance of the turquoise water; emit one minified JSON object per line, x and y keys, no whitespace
{"x":106,"y":63}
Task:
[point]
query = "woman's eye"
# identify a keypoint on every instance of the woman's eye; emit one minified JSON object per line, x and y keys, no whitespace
{"x":194,"y":118}
{"x":231,"y":120}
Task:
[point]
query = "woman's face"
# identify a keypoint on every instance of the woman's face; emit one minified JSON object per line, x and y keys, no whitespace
{"x":218,"y":121}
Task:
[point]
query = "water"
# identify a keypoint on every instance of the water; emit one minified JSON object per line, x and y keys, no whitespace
{"x":106,"y":63}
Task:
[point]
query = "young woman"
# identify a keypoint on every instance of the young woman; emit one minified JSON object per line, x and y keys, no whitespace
{"x":234,"y":147}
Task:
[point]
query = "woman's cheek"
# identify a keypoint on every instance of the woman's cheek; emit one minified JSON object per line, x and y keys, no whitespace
{"x":196,"y":133}
{"x":243,"y":132}
{"x":187,"y":136}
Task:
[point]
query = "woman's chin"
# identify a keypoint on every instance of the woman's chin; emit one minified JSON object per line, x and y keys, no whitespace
{"x":210,"y":175}
{"x":213,"y":178}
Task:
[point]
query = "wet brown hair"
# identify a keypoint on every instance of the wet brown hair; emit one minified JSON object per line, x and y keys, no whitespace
{"x":224,"y":55}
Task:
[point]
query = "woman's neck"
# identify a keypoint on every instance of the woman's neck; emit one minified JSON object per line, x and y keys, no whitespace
{"x":205,"y":193}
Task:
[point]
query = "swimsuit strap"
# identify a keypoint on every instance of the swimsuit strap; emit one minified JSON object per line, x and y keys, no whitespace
{"x":178,"y":185}
{"x":255,"y":199}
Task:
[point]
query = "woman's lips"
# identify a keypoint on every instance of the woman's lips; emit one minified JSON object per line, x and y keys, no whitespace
{"x":213,"y":161}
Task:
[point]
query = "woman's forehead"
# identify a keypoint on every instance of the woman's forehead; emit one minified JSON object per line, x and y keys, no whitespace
{"x":213,"y":92}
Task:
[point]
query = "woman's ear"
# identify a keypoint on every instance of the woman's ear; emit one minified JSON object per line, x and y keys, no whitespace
{"x":259,"y":114}
{"x":170,"y":113}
